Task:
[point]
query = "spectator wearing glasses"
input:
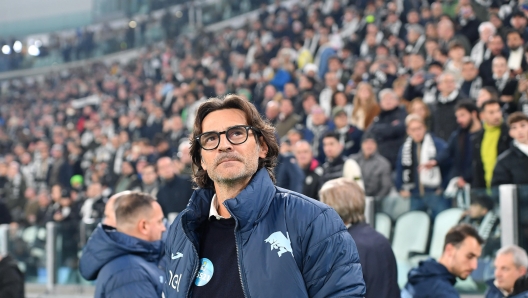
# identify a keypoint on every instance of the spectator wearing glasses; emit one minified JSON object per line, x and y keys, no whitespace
{"x":234,"y":152}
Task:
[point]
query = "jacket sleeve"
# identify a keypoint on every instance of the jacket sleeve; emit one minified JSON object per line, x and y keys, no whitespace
{"x":331,"y":265}
{"x":449,"y":152}
{"x":130,"y":283}
{"x":393,"y":130}
{"x":12,"y":284}
{"x":385,"y":179}
{"x":444,"y":166}
{"x":501,"y":175}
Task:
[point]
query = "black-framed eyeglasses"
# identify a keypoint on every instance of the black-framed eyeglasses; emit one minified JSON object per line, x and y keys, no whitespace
{"x":236,"y":135}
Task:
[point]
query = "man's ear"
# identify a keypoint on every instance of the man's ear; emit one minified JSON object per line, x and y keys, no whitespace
{"x":142,"y":226}
{"x":203,"y":164}
{"x":263,"y":152}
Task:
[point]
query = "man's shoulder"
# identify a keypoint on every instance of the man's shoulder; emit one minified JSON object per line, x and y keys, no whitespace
{"x":296,"y":203}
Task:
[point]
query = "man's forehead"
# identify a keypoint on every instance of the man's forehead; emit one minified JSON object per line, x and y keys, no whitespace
{"x":471,"y":245}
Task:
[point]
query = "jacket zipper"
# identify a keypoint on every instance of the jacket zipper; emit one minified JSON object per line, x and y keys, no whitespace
{"x":196,"y":257}
{"x":238,"y":253}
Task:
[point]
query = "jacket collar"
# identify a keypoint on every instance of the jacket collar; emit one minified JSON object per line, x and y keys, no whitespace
{"x":247,"y":208}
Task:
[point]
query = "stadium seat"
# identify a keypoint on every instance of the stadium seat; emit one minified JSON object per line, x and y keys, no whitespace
{"x":383,"y":224}
{"x":410,"y":234}
{"x":444,"y":221}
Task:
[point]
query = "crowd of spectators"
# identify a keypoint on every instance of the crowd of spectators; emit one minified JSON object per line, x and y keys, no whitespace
{"x":411,"y":98}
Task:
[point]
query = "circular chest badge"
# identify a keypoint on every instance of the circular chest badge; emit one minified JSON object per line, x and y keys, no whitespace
{"x":206,"y":272}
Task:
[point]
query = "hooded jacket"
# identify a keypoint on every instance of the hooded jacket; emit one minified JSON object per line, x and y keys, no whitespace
{"x":11,"y":278}
{"x":430,"y":280}
{"x":288,"y":245}
{"x":124,"y":266}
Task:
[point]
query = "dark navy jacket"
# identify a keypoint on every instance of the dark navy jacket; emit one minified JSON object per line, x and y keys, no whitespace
{"x":493,"y":291}
{"x":430,"y":280}
{"x":124,"y":266}
{"x":288,"y":245}
{"x":459,"y":154}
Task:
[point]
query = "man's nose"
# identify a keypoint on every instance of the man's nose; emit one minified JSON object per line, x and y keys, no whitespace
{"x":224,"y":143}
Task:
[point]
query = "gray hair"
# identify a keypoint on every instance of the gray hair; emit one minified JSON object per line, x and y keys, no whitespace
{"x":416,"y":29}
{"x":386,"y":91}
{"x":520,"y":258}
{"x":487,"y":25}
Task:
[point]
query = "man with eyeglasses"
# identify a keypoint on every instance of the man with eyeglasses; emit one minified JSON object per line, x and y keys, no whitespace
{"x":240,"y":235}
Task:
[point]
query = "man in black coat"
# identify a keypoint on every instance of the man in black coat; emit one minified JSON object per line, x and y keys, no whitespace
{"x":389,"y":127}
{"x":443,"y":111}
{"x":375,"y":253}
{"x":459,"y":148}
{"x":512,"y":164}
{"x":11,"y":278}
{"x":312,"y":171}
{"x":489,"y":143}
{"x":496,"y":47}
{"x":174,"y":192}
{"x":504,"y":83}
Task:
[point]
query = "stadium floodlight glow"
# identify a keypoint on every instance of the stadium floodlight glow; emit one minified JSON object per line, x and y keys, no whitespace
{"x":17,"y":46}
{"x":33,"y":50}
{"x":6,"y":50}
{"x":132,"y":24}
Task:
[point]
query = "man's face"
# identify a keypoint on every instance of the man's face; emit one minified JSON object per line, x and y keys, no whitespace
{"x":228,"y":163}
{"x":506,"y":273}
{"x":331,"y":80}
{"x":469,"y":71}
{"x":389,"y":102}
{"x":447,"y":84}
{"x":416,"y":62}
{"x":477,"y":211}
{"x":286,"y":107}
{"x":463,"y":118}
{"x":334,"y":65}
{"x":485,"y":34}
{"x":462,"y":260}
{"x":492,"y":115}
{"x":165,"y":169}
{"x":514,"y":41}
{"x":303,"y":154}
{"x":416,"y":130}
{"x":412,"y":36}
{"x":519,"y":131}
{"x":495,"y":45}
{"x":332,"y":148}
{"x":154,"y":224}
{"x":368,"y":147}
{"x":318,"y":116}
{"x":499,"y":67}
{"x":149,"y":175}
{"x":340,"y":120}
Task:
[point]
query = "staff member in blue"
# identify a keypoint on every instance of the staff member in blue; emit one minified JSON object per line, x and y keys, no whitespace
{"x":240,"y":235}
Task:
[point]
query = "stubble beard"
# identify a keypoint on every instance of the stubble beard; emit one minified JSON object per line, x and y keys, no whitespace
{"x":248,"y":170}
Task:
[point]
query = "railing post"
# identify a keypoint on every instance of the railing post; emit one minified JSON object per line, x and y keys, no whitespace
{"x":4,"y":239}
{"x":509,"y":216}
{"x":51,"y":237}
{"x":370,"y":210}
